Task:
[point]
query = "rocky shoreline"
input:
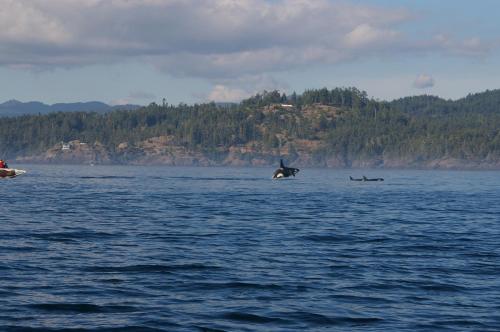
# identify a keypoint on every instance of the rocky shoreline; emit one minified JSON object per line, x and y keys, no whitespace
{"x":162,"y":151}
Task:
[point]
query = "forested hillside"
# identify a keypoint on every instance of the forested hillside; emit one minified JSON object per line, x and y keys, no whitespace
{"x":336,"y":128}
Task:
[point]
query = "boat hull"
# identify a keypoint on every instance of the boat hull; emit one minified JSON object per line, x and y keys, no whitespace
{"x":10,"y":172}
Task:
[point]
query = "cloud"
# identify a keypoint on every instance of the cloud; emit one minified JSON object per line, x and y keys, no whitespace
{"x":473,"y":46}
{"x":221,"y":93}
{"x":22,"y":23}
{"x":236,"y":89}
{"x":365,"y":35}
{"x":197,"y":38}
{"x":226,"y":42}
{"x":423,"y":81}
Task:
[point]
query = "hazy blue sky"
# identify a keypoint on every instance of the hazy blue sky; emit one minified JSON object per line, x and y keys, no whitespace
{"x":139,"y":51}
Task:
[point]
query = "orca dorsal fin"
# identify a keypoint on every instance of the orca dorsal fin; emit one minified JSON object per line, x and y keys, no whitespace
{"x":281,"y":164}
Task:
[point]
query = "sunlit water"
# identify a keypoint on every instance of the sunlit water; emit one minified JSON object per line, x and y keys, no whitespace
{"x":228,"y":249}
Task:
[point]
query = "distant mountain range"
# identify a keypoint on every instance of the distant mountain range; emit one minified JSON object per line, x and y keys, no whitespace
{"x":17,"y":108}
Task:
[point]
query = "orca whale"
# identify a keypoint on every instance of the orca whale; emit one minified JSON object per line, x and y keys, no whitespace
{"x":374,"y":179}
{"x":284,"y":172}
{"x":364,"y":178}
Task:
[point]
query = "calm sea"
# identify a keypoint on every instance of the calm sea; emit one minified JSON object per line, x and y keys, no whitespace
{"x":228,"y":249}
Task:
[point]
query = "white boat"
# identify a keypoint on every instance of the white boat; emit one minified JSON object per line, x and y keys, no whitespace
{"x":11,"y":172}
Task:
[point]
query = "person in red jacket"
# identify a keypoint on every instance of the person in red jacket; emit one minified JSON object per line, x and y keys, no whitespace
{"x":3,"y":164}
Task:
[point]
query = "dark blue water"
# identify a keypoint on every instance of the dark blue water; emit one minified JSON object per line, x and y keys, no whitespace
{"x":228,"y":249}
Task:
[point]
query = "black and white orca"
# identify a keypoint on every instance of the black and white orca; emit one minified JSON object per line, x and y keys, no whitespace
{"x":374,"y":179}
{"x":364,"y":178}
{"x":284,"y":172}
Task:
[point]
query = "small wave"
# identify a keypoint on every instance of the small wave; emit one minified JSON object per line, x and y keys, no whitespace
{"x":341,"y":266}
{"x":6,"y":293}
{"x":482,"y":254}
{"x":106,"y":177}
{"x":111,"y":281}
{"x":104,"y":329}
{"x":81,"y":308}
{"x":236,"y":285}
{"x":208,"y":329}
{"x":319,"y":319}
{"x":25,"y":267}
{"x":376,"y":240}
{"x":427,"y":248}
{"x":455,"y":324}
{"x":72,"y":236}
{"x":461,"y":323}
{"x":149,"y":268}
{"x":179,"y":237}
{"x":443,"y":287}
{"x":194,"y":178}
{"x":18,"y":249}
{"x":383,"y":286}
{"x":245,"y":317}
{"x":361,"y":299}
{"x":329,"y":238}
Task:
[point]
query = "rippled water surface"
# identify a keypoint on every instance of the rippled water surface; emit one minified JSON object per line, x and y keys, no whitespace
{"x":227,"y":249}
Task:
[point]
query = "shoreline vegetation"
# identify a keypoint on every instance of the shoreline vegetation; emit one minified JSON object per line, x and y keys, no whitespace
{"x":339,"y":128}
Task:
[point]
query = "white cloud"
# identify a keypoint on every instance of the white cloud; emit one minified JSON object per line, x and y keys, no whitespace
{"x":473,"y":46}
{"x":200,"y":38}
{"x":236,"y":89}
{"x":423,"y":81}
{"x":365,"y":35}
{"x":219,"y":40}
{"x":21,"y":23}
{"x":221,"y":93}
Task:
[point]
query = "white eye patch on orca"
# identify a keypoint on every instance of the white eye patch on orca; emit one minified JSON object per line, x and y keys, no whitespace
{"x":284,"y":172}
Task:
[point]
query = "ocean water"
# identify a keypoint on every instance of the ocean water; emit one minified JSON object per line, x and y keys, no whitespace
{"x":228,"y":249}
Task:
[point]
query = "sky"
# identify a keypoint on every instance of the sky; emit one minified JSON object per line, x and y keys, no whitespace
{"x":192,"y":51}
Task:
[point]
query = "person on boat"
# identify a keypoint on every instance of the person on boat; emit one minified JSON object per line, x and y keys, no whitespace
{"x":3,"y":164}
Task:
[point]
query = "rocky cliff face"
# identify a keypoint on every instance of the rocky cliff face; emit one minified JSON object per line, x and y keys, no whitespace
{"x":74,"y":152}
{"x":163,"y":150}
